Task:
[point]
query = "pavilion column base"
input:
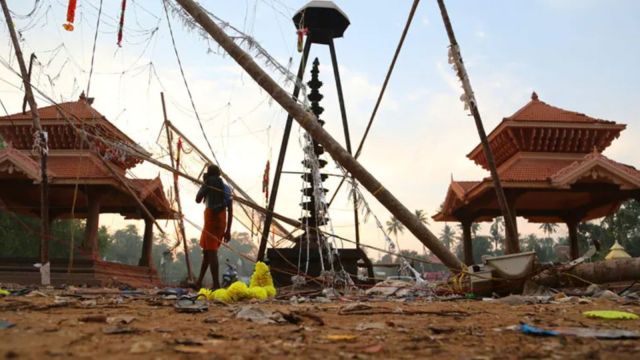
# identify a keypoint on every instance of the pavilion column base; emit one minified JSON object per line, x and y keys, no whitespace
{"x":147,"y":244}
{"x":85,"y":271}
{"x":572,"y":226}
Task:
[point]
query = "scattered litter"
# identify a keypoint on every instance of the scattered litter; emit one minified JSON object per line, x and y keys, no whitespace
{"x":388,"y":288}
{"x":579,"y":332}
{"x":608,"y":294}
{"x":141,"y":347}
{"x":372,"y":349}
{"x":611,"y":314}
{"x":123,"y":319}
{"x":191,"y":305}
{"x":94,"y":319}
{"x":191,"y":349}
{"x":115,"y":330}
{"x":6,"y":325}
{"x":341,"y":337}
{"x":260,"y":315}
{"x":371,"y":326}
{"x":172,"y":293}
{"x":187,"y":341}
{"x":532,"y":330}
{"x":4,"y":292}
{"x":523,"y":300}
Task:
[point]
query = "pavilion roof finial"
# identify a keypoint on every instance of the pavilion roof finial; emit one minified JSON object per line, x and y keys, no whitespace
{"x":534,"y":96}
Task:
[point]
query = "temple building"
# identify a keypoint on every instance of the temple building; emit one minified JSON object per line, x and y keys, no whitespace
{"x":551,"y":167}
{"x":88,"y":160}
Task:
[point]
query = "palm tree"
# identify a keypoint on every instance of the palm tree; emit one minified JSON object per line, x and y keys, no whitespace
{"x":422,"y":216}
{"x":424,"y":219}
{"x":549,"y":228}
{"x":394,"y":226}
{"x":447,"y":236}
{"x":497,"y":231}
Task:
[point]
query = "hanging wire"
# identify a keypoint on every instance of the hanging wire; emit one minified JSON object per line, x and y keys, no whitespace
{"x":186,"y":84}
{"x":93,"y":52}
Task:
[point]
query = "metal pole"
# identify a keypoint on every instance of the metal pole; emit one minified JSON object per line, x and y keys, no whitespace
{"x":283,"y":151}
{"x":347,"y":138}
{"x":310,"y":123}
{"x":44,"y":184}
{"x":512,"y":245}
{"x":176,"y":189}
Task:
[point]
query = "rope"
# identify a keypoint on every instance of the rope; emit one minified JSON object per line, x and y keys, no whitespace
{"x":186,"y":84}
{"x":93,"y":52}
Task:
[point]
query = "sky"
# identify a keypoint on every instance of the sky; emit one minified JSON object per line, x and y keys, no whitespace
{"x":576,"y":54}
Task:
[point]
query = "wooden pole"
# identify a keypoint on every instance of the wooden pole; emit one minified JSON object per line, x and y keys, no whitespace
{"x":44,"y":183}
{"x":347,"y":137}
{"x":512,"y":245}
{"x":176,"y":190}
{"x":309,"y":122}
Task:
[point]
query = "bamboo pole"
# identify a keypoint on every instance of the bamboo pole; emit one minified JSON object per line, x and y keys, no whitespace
{"x":181,"y":229}
{"x":44,"y":183}
{"x":511,"y":242}
{"x":310,"y":124}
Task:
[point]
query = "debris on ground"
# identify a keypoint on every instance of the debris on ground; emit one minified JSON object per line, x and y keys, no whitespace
{"x":611,"y":315}
{"x":579,"y":332}
{"x":259,"y":315}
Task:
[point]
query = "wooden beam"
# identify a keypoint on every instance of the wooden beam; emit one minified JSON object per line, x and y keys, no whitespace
{"x":44,"y":187}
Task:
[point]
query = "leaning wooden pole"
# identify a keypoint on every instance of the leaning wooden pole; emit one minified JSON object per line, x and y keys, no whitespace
{"x":512,"y":245}
{"x":42,"y":139}
{"x":176,"y":190}
{"x":310,"y":124}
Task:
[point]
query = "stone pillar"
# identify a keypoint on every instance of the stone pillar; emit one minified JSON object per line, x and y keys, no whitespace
{"x":572,"y":225}
{"x":147,"y":243}
{"x":467,"y":246}
{"x":91,"y":229}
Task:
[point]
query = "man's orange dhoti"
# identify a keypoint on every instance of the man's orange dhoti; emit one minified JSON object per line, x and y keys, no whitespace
{"x":215,"y":225}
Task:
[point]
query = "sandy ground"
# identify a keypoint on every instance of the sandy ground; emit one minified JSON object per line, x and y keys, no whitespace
{"x":462,"y":329}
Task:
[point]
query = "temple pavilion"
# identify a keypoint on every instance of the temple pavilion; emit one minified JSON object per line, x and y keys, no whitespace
{"x":551,"y":167}
{"x":87,"y":172}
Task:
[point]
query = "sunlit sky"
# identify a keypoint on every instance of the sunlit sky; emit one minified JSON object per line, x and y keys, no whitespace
{"x":576,"y":54}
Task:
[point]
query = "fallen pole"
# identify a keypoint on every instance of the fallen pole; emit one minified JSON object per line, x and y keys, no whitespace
{"x":599,"y":272}
{"x":309,"y":123}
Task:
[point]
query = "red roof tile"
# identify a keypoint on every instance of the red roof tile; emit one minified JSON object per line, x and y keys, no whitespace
{"x":526,"y":169}
{"x":79,"y":108}
{"x":26,"y":165}
{"x":537,"y":110}
{"x":83,"y":167}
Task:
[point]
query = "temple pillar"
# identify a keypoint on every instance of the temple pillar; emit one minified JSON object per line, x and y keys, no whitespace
{"x":147,"y":243}
{"x":91,"y":228}
{"x":572,"y":225}
{"x":467,"y":245}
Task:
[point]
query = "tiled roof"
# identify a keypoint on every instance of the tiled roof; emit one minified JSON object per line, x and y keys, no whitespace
{"x":526,"y":169}
{"x":597,"y":158}
{"x":79,"y":108}
{"x":537,"y":110}
{"x":27,"y":165}
{"x":84,"y":167}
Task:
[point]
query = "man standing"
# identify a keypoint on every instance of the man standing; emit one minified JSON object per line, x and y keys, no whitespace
{"x":217,"y":224}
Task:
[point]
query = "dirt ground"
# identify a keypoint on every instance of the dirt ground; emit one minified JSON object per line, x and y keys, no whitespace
{"x":79,"y":326}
